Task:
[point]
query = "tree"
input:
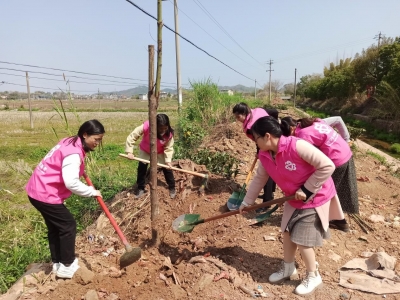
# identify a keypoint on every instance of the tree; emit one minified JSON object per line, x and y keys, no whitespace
{"x":288,"y":89}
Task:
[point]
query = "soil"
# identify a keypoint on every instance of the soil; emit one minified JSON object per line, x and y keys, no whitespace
{"x":217,"y":259}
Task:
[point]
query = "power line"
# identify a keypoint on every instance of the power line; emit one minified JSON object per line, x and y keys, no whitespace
{"x":45,"y":88}
{"x":321,"y":51}
{"x":212,"y":36}
{"x":73,"y":76}
{"x":198,"y":3}
{"x":190,"y":42}
{"x":78,"y":72}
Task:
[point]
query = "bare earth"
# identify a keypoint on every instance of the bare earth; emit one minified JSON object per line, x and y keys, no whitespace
{"x":230,"y":255}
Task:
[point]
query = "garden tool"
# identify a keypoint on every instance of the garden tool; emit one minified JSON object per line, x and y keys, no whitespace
{"x":205,"y":176}
{"x":236,"y":198}
{"x":131,"y":254}
{"x":186,"y":222}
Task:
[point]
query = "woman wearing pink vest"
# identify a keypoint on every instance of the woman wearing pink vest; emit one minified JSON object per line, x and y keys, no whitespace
{"x":244,"y":114}
{"x":320,"y":134}
{"x":165,"y":151}
{"x":302,"y":170}
{"x":54,"y":180}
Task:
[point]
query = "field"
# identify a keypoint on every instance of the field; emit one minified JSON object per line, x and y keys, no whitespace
{"x":231,"y":253}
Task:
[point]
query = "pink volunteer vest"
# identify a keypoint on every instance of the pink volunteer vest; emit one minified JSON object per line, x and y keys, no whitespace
{"x":46,"y":183}
{"x":145,"y":143}
{"x":324,"y":137}
{"x":290,"y":172}
{"x":251,"y":119}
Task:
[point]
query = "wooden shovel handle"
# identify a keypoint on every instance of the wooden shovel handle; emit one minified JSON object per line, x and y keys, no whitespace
{"x":166,"y":166}
{"x":251,"y":171}
{"x":248,"y":208}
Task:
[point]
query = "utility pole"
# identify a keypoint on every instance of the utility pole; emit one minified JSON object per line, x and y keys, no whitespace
{"x":294,"y":97}
{"x":255,"y":89}
{"x":29,"y":99}
{"x":379,"y":37}
{"x":178,"y":63}
{"x":270,"y":63}
{"x":98,"y":96}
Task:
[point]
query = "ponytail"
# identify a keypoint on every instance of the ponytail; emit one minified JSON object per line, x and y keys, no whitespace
{"x":306,"y":122}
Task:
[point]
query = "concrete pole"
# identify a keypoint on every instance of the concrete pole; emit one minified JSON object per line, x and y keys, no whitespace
{"x":177,"y":52}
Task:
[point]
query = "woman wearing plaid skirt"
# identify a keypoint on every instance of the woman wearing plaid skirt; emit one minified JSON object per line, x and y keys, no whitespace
{"x":302,"y":170}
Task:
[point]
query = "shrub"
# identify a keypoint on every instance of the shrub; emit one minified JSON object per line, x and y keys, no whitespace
{"x":395,"y":148}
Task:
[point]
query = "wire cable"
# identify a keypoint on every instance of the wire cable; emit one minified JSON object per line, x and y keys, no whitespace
{"x":73,"y":76}
{"x":198,"y":3}
{"x":190,"y":42}
{"x":78,"y":72}
{"x":211,"y":35}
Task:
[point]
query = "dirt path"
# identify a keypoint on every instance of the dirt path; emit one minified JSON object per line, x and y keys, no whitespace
{"x":218,"y":259}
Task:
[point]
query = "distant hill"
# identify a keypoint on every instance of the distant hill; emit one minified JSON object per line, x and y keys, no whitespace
{"x":142,"y":89}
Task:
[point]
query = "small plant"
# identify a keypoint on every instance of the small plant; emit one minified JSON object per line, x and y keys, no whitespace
{"x":220,"y":163}
{"x":395,"y":148}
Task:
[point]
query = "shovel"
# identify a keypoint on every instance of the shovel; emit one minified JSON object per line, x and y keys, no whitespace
{"x":132,"y":254}
{"x":205,"y":176}
{"x":236,"y":198}
{"x":186,"y":223}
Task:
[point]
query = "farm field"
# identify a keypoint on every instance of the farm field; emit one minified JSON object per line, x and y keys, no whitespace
{"x":228,"y":245}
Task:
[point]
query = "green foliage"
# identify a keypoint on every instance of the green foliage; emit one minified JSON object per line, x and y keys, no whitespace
{"x":395,"y":148}
{"x":217,"y":162}
{"x":380,"y":158}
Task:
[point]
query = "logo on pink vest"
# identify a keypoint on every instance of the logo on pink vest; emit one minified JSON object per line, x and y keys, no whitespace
{"x":290,"y":172}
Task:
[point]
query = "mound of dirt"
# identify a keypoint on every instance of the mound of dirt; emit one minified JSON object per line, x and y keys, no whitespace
{"x":224,"y":259}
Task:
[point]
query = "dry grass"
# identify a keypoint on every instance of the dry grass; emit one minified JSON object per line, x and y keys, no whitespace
{"x":15,"y":126}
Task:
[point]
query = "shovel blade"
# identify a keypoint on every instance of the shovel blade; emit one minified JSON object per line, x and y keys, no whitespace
{"x":129,"y":257}
{"x":235,"y":200}
{"x":262,"y":217}
{"x":185,"y":223}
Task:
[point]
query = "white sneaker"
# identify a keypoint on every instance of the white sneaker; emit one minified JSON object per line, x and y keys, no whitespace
{"x":68,"y":272}
{"x":309,"y":284}
{"x":56,"y":266}
{"x":286,"y":271}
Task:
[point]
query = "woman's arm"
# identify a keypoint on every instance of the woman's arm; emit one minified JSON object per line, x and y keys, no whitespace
{"x":169,"y":150}
{"x":132,"y":138}
{"x":256,"y":185}
{"x":324,"y":167}
{"x":338,"y":124}
{"x":70,"y":174}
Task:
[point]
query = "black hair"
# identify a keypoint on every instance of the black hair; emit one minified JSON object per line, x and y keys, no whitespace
{"x":243,"y":109}
{"x":269,"y":125}
{"x":286,"y":124}
{"x":272,"y":112}
{"x":163,"y":120}
{"x":306,"y":122}
{"x":91,"y":127}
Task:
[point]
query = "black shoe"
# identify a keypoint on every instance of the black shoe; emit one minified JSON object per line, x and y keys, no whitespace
{"x":139,"y":193}
{"x":172,"y":193}
{"x":339,"y":225}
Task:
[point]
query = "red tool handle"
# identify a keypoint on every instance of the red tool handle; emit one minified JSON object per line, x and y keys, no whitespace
{"x":108,"y":214}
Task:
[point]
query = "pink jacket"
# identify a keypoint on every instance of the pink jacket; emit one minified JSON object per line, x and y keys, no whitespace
{"x":46,"y":183}
{"x":327,"y":140}
{"x":256,"y":114}
{"x":145,"y":143}
{"x":290,"y":172}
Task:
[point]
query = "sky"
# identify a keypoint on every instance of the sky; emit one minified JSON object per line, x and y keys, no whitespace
{"x":112,"y":37}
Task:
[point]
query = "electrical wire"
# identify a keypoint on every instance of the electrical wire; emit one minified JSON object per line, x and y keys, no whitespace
{"x":190,"y":42}
{"x":78,"y":72}
{"x":87,"y":78}
{"x":198,"y":3}
{"x":212,"y":36}
{"x":45,"y":88}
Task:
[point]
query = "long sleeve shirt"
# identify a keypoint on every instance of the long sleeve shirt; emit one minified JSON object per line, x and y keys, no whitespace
{"x":70,"y":175}
{"x":338,"y":124}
